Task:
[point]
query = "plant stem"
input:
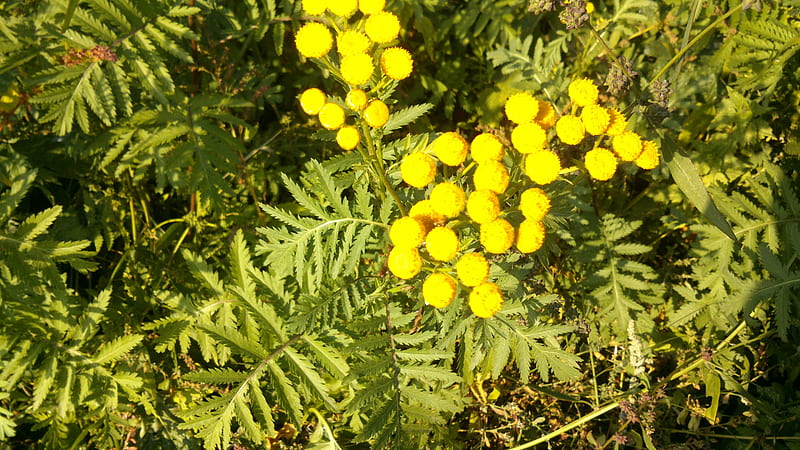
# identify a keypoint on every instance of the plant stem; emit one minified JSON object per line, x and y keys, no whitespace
{"x":574,"y":424}
{"x":376,"y":162}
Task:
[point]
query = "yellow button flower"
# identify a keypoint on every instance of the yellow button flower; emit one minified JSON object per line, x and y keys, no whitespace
{"x":424,"y":212}
{"x":418,"y":169}
{"x":486,"y":147}
{"x":542,"y":167}
{"x":472,"y":269}
{"x":528,"y":137}
{"x":404,"y":263}
{"x":595,"y":119}
{"x":382,"y":27}
{"x":442,"y":243}
{"x":348,"y":137}
{"x":497,"y":236}
{"x":485,"y":300}
{"x":583,"y":92}
{"x":617,"y":124}
{"x":371,"y":6}
{"x":521,"y":108}
{"x":450,"y":148}
{"x":448,"y":199}
{"x":570,"y":129}
{"x":649,"y":157}
{"x":407,"y":232}
{"x":313,"y":40}
{"x":376,"y":114}
{"x":343,"y":8}
{"x":357,"y":69}
{"x":352,"y":42}
{"x":356,"y":99}
{"x":315,"y":7}
{"x":483,"y":206}
{"x":312,"y":100}
{"x":439,"y":290}
{"x":546,"y":117}
{"x":331,"y":116}
{"x":530,"y":236}
{"x":628,"y":145}
{"x":491,"y":175}
{"x":534,"y":204}
{"x":397,"y":63}
{"x":600,"y":163}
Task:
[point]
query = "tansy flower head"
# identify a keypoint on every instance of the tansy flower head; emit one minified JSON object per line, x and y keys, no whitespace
{"x":312,"y":100}
{"x":483,"y":206}
{"x":649,"y":157}
{"x":485,"y":300}
{"x":486,"y":147}
{"x":595,"y":119}
{"x":418,"y":169}
{"x":628,"y":145}
{"x":497,"y":236}
{"x":617,"y":124}
{"x":357,"y":69}
{"x":424,"y":212}
{"x":448,"y":199}
{"x":348,"y":137}
{"x":376,"y":114}
{"x":450,"y":148}
{"x":472,"y":269}
{"x":407,"y":232}
{"x":534,"y":204}
{"x":397,"y":63}
{"x":382,"y":27}
{"x":331,"y":116}
{"x":570,"y":129}
{"x":542,"y":167}
{"x":356,"y":99}
{"x":439,"y":289}
{"x":583,"y":92}
{"x":313,"y":40}
{"x":491,"y":175}
{"x":600,"y":163}
{"x":528,"y":137}
{"x":371,"y":6}
{"x":343,"y":8}
{"x":442,"y":243}
{"x":530,"y":236}
{"x":315,"y":7}
{"x":352,"y":42}
{"x":404,"y":263}
{"x":546,"y":117}
{"x":521,"y":108}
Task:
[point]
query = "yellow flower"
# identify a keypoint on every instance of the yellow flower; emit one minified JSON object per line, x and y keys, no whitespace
{"x":534,"y":204}
{"x":483,"y":206}
{"x":546,"y":117}
{"x":418,"y":169}
{"x":356,"y":99}
{"x":376,"y":114}
{"x":357,"y":69}
{"x":628,"y":145}
{"x":397,"y":63}
{"x":530,"y":236}
{"x":315,"y":7}
{"x":521,"y":108}
{"x":312,"y":100}
{"x":601,"y":163}
{"x":486,"y":147}
{"x":313,"y":40}
{"x":570,"y":129}
{"x":542,"y":167}
{"x":528,"y":137}
{"x":583,"y":92}
{"x":595,"y":119}
{"x":589,"y":7}
{"x":618,"y":122}
{"x":424,"y":212}
{"x":472,"y":269}
{"x":407,"y":232}
{"x":497,"y":236}
{"x":352,"y":42}
{"x":348,"y":137}
{"x":331,"y":116}
{"x":485,"y":300}
{"x":448,"y":199}
{"x":405,"y":263}
{"x":371,"y":6}
{"x":491,"y":175}
{"x":649,"y":157}
{"x":439,"y":290}
{"x":382,"y":27}
{"x":442,"y":243}
{"x":343,"y":8}
{"x":450,"y":148}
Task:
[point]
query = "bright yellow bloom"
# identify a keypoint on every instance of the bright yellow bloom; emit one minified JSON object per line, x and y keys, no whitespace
{"x":348,"y":137}
{"x":600,"y":163}
{"x":530,"y":236}
{"x":486,"y":147}
{"x":491,"y":175}
{"x":521,"y":108}
{"x":376,"y":114}
{"x":528,"y":137}
{"x":497,"y":236}
{"x":534,"y":204}
{"x":331,"y":116}
{"x":485,"y":300}
{"x":618,"y":122}
{"x":312,"y":100}
{"x":313,"y":40}
{"x":315,"y":7}
{"x":357,"y":69}
{"x":405,"y":263}
{"x":628,"y":145}
{"x":472,"y":269}
{"x":589,"y":7}
{"x":442,"y":243}
{"x":542,"y":167}
{"x":570,"y":129}
{"x":343,"y":8}
{"x":583,"y":92}
{"x":546,"y":117}
{"x":397,"y":63}
{"x":352,"y":42}
{"x":450,"y":148}
{"x":649,"y":157}
{"x":407,"y":232}
{"x":418,"y":169}
{"x":448,"y":199}
{"x":595,"y":119}
{"x":424,"y":212}
{"x":483,"y":206}
{"x":439,"y":290}
{"x":371,"y":6}
{"x":356,"y":99}
{"x":382,"y":27}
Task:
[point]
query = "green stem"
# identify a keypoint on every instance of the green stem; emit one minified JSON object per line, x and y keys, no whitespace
{"x":574,"y":424}
{"x":376,"y":162}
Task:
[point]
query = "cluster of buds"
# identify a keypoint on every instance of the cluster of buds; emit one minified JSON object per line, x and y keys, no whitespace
{"x":95,"y":54}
